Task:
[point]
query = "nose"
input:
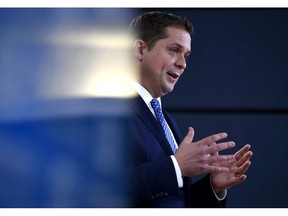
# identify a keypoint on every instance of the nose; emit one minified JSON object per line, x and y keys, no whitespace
{"x":180,"y":62}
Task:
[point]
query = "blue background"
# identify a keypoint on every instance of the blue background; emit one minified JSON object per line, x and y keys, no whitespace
{"x":237,"y":81}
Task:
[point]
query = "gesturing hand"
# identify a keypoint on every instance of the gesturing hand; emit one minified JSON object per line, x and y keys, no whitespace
{"x":237,"y":167}
{"x":199,"y":157}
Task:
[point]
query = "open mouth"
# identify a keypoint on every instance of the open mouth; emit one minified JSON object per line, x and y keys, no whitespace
{"x":173,"y":75}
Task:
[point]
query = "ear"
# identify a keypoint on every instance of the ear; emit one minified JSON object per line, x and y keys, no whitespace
{"x":139,"y":46}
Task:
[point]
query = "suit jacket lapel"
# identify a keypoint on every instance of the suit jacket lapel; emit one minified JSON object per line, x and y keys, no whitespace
{"x":143,"y":112}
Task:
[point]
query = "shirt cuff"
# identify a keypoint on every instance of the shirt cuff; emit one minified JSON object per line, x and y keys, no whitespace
{"x":221,"y":195}
{"x":177,"y":171}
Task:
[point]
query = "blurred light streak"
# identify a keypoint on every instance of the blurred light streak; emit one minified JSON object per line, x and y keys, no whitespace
{"x":91,"y":64}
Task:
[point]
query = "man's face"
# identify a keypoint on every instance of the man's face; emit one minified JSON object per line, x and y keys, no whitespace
{"x":162,"y":65}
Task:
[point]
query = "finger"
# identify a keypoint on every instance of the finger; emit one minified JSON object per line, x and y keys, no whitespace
{"x":216,"y":169}
{"x":238,"y":180}
{"x":190,"y":135}
{"x":242,"y":152}
{"x":245,"y":158}
{"x":240,"y":171}
{"x":218,"y":137}
{"x":220,"y":158}
{"x":213,"y":139}
{"x":220,"y":147}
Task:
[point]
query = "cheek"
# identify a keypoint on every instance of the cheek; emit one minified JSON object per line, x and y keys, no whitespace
{"x":158,"y":62}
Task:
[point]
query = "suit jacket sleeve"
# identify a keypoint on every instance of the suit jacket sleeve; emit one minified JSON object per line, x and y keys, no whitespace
{"x":202,"y":195}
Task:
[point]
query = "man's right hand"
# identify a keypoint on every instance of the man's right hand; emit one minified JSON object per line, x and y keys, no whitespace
{"x":195,"y":158}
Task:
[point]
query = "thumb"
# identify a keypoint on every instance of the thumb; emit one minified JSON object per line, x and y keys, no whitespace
{"x":190,"y":135}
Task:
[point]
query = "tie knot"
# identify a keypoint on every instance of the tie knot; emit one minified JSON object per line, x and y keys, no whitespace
{"x":155,"y":104}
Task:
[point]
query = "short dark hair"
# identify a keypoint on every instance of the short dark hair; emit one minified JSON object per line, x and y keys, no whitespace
{"x":151,"y":26}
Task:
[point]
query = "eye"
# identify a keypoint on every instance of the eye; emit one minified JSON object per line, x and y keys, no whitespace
{"x":186,"y":56}
{"x":174,"y":51}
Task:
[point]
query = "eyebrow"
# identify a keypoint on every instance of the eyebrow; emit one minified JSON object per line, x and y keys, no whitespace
{"x":181,"y":47}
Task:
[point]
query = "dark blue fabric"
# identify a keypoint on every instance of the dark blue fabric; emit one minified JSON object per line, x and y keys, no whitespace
{"x":155,"y":181}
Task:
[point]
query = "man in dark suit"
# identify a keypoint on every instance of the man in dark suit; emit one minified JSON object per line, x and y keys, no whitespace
{"x":164,"y":162}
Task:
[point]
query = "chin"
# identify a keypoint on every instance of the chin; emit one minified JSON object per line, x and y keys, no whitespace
{"x":168,"y":90}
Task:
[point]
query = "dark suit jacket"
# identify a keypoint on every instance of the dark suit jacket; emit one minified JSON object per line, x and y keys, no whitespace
{"x":154,"y":178}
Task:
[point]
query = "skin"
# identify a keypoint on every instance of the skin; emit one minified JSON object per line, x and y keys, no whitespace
{"x":160,"y":68}
{"x":237,"y":168}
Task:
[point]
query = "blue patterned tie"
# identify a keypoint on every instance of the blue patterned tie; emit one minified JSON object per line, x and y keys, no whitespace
{"x":159,"y":114}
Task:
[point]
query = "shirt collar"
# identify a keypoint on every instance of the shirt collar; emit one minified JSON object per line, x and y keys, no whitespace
{"x":144,"y":94}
